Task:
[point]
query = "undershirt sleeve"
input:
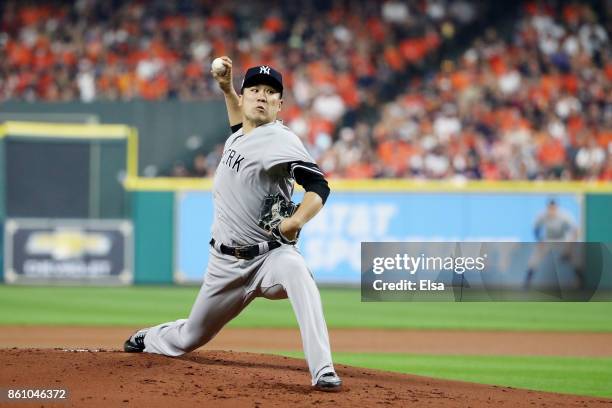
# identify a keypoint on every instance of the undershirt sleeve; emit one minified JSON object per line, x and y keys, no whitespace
{"x":309,"y":176}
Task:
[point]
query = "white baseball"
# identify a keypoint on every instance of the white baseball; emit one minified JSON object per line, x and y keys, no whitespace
{"x":218,"y":67}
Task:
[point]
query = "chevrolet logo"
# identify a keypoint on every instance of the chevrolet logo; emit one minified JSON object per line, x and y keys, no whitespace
{"x":67,"y":243}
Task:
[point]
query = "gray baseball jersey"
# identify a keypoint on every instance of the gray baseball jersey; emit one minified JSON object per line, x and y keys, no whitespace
{"x":252,"y":166}
{"x":554,"y":228}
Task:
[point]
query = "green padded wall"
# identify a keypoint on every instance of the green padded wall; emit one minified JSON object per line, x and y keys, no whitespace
{"x":599,"y":229}
{"x":153,"y":215}
{"x":164,"y":127}
{"x":598,"y":217}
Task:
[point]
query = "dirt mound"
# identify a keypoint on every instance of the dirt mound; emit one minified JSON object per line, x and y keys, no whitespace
{"x":233,"y":379}
{"x":480,"y":342}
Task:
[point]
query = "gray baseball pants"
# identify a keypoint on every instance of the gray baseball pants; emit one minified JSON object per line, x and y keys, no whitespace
{"x":230,"y":284}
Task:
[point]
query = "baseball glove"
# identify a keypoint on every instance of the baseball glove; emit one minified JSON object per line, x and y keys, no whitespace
{"x":273,"y":211}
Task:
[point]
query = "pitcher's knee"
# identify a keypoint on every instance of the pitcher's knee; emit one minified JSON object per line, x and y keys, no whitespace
{"x":274,"y":292}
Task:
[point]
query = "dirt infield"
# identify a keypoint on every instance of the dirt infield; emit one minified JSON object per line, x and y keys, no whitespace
{"x":235,"y":379}
{"x":230,"y":378}
{"x":351,"y":340}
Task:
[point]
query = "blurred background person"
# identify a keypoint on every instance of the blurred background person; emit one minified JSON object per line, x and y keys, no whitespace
{"x":555,"y":226}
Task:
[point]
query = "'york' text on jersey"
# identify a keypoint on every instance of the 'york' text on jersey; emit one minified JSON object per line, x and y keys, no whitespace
{"x":232,"y":159}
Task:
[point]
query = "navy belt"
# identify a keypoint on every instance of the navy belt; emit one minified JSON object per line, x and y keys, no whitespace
{"x":247,"y":251}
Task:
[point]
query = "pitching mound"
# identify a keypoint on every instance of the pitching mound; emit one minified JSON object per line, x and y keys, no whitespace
{"x":231,"y":379}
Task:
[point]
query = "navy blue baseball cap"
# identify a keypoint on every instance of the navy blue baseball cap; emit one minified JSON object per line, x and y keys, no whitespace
{"x":263,"y":74}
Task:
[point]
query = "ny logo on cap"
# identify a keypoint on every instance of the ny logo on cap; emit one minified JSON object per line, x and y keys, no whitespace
{"x":264,"y":70}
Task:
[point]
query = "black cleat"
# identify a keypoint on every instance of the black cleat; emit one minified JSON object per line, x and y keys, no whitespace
{"x":329,"y":382}
{"x":135,"y":343}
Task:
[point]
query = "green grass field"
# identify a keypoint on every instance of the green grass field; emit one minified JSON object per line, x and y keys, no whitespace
{"x":568,"y":375}
{"x":141,"y":306}
{"x":135,"y":306}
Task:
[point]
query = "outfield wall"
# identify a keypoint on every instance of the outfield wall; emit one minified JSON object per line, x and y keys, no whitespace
{"x":172,"y":220}
{"x":166,"y":128}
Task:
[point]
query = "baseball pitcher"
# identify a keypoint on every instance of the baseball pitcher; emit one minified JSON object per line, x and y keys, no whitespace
{"x":255,"y":228}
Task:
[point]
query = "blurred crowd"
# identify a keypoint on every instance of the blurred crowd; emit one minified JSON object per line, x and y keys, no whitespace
{"x":537,"y":106}
{"x":373,"y":88}
{"x":158,"y":49}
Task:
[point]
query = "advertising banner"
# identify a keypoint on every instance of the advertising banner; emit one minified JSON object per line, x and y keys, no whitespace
{"x":331,"y":241}
{"x":57,"y":250}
